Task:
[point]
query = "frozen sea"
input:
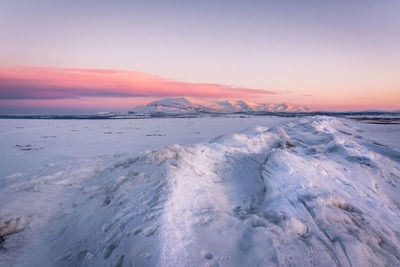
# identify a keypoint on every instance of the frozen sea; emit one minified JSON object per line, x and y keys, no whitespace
{"x":217,"y":191}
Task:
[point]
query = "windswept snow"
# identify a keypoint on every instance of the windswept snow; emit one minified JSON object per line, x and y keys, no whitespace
{"x":314,"y":191}
{"x":192,"y":105}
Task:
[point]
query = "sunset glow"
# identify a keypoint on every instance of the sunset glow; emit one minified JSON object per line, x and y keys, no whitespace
{"x":199,"y":133}
{"x":113,"y":56}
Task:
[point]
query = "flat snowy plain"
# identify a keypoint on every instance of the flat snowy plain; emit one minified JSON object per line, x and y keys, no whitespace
{"x":254,"y":191}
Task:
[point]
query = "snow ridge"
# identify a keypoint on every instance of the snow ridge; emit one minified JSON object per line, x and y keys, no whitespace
{"x":324,"y":196}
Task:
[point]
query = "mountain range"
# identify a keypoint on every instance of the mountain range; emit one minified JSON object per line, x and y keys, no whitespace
{"x":185,"y":105}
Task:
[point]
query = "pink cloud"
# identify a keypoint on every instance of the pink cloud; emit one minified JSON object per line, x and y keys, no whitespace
{"x":64,"y":83}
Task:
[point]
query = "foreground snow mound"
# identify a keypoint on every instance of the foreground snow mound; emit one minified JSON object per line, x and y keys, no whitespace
{"x":190,"y":106}
{"x":313,"y":192}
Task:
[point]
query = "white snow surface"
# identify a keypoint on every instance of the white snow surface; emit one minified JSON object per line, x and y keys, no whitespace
{"x":312,"y":191}
{"x":192,"y":105}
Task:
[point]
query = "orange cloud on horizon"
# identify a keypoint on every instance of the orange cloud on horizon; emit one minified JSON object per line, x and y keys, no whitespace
{"x":68,"y":83}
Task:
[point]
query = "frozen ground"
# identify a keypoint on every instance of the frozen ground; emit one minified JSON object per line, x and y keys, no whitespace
{"x":314,"y":191}
{"x":27,"y":144}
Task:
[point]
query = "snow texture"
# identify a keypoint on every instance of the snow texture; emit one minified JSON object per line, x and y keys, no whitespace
{"x":314,"y":191}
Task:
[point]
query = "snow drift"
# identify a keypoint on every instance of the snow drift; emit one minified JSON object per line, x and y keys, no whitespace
{"x":312,"y":192}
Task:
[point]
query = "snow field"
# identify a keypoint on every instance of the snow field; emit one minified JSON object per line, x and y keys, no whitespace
{"x":311,"y":191}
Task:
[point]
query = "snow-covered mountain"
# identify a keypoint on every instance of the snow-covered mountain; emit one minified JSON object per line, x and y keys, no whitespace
{"x":189,"y":105}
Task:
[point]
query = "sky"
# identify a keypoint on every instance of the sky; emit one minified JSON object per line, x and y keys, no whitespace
{"x":90,"y":56}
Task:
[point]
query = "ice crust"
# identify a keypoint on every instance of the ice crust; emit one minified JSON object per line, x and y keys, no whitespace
{"x":315,"y":191}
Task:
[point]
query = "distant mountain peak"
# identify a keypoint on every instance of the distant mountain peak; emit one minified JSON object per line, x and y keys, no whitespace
{"x":184,"y":105}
